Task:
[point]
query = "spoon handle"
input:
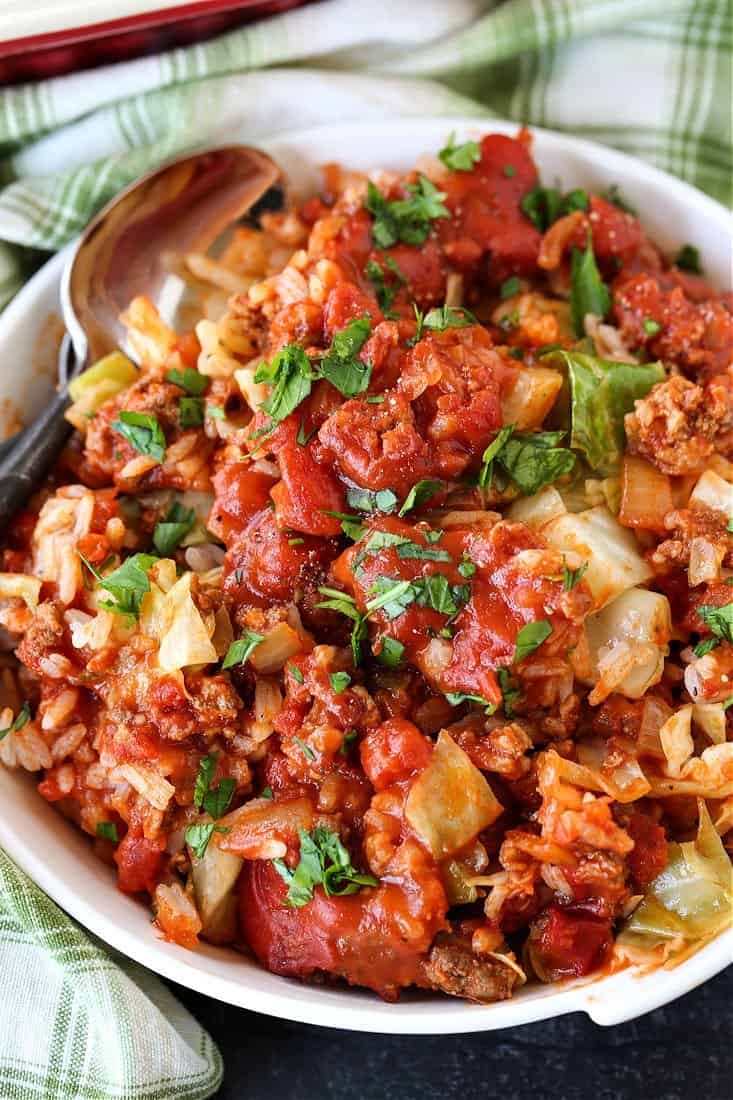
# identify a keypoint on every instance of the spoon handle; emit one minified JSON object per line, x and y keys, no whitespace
{"x":31,"y":456}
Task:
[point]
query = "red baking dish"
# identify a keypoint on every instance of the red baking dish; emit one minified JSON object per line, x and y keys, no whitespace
{"x":60,"y":37}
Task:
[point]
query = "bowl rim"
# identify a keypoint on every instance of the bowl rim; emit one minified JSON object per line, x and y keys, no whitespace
{"x":606,"y":999}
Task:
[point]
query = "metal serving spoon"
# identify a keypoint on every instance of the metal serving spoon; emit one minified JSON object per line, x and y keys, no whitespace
{"x":183,"y":206}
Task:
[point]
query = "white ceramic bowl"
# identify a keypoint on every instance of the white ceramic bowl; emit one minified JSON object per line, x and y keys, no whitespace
{"x":58,"y":856}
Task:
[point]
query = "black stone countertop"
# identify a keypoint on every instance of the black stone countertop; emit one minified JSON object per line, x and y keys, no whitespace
{"x":681,"y":1052}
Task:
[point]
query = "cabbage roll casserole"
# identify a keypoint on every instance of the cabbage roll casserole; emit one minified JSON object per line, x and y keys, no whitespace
{"x":380,"y":623}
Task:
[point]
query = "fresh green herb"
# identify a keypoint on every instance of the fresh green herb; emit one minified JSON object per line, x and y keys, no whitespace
{"x":490,"y":454}
{"x":413,"y":550}
{"x":444,"y":317}
{"x":570,"y":577}
{"x":509,"y":691}
{"x":296,"y":541}
{"x":21,"y":718}
{"x":419,"y":322}
{"x":390,"y":596}
{"x":602,"y":392}
{"x":207,"y":766}
{"x":303,"y":437}
{"x":432,"y":537}
{"x":588,"y":292}
{"x":291,"y":376}
{"x":216,"y":412}
{"x":688,"y":259}
{"x":390,"y":652}
{"x":542,"y":205}
{"x":408,"y":219}
{"x":339,"y":681}
{"x":217,"y":799}
{"x":375,"y":399}
{"x":530,"y":637}
{"x":295,"y":673}
{"x":728,"y":702}
{"x":348,"y":741}
{"x":189,"y":380}
{"x":341,"y":365}
{"x":240,"y":651}
{"x":509,"y":288}
{"x":651,"y":328}
{"x":108,"y":830}
{"x":613,"y":195}
{"x":324,"y":861}
{"x":142,"y":432}
{"x":364,"y":500}
{"x":198,"y":836}
{"x":191,"y":412}
{"x":305,"y":749}
{"x":718,"y":619}
{"x":531,"y":461}
{"x":436,"y":593}
{"x":267,"y":793}
{"x":460,"y":158}
{"x":169,"y":533}
{"x":466,"y":567}
{"x":509,"y":171}
{"x":575,"y":200}
{"x":509,"y":321}
{"x":128,"y":583}
{"x":706,"y":646}
{"x":455,"y":698}
{"x":350,"y":525}
{"x":345,"y":604}
{"x":419,"y":494}
{"x":386,"y":292}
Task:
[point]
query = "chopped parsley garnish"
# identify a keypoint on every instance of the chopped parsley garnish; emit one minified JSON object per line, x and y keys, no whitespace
{"x":169,"y":533}
{"x":575,"y":200}
{"x":345,"y":604}
{"x":509,"y":288}
{"x":305,"y":749}
{"x":216,"y":412}
{"x":303,"y":437}
{"x":390,"y":596}
{"x":542,"y":205}
{"x":509,"y":171}
{"x":267,"y":792}
{"x":324,"y":861}
{"x":390,"y":652}
{"x":295,"y":673}
{"x":214,"y":800}
{"x":291,"y":375}
{"x":510,"y":693}
{"x":142,"y":432}
{"x":443,"y":317}
{"x":339,"y":681}
{"x":651,"y":328}
{"x":421,"y":492}
{"x":530,"y":637}
{"x":718,"y":619}
{"x":364,"y":500}
{"x":241,"y":650}
{"x":466,"y":567}
{"x":341,"y":366}
{"x":198,"y":836}
{"x":386,"y":291}
{"x":460,"y":158}
{"x":613,"y":195}
{"x":413,"y":550}
{"x":408,"y":219}
{"x":570,"y":577}
{"x":348,"y":741}
{"x":531,"y":461}
{"x":20,"y":720}
{"x":706,"y":646}
{"x":128,"y":583}
{"x":191,"y":412}
{"x":688,"y":259}
{"x":189,"y":380}
{"x":455,"y":698}
{"x":588,"y":292}
{"x":108,"y":830}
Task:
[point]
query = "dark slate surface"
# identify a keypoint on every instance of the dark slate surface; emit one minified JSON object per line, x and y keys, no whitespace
{"x":681,"y":1052}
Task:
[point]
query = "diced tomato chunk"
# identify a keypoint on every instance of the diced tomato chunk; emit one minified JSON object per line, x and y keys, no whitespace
{"x":138,"y":860}
{"x":343,"y":304}
{"x":394,"y":751}
{"x":240,"y":493}
{"x":648,"y":857}
{"x":566,"y":944}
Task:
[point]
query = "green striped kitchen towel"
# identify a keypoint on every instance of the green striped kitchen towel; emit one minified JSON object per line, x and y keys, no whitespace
{"x":652,"y":77}
{"x":78,"y":1022}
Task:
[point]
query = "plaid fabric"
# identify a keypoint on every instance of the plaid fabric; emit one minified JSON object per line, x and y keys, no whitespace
{"x":652,"y":77}
{"x":80,"y":1022}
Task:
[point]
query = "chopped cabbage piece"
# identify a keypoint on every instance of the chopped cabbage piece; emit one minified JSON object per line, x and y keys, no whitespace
{"x":692,"y":899}
{"x":186,"y":641}
{"x":450,"y":802}
{"x":602,"y":392}
{"x":114,"y":368}
{"x":539,"y":509}
{"x":713,"y":492}
{"x":531,"y":398}
{"x":214,"y":878}
{"x":628,"y":641}
{"x":614,"y":561}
